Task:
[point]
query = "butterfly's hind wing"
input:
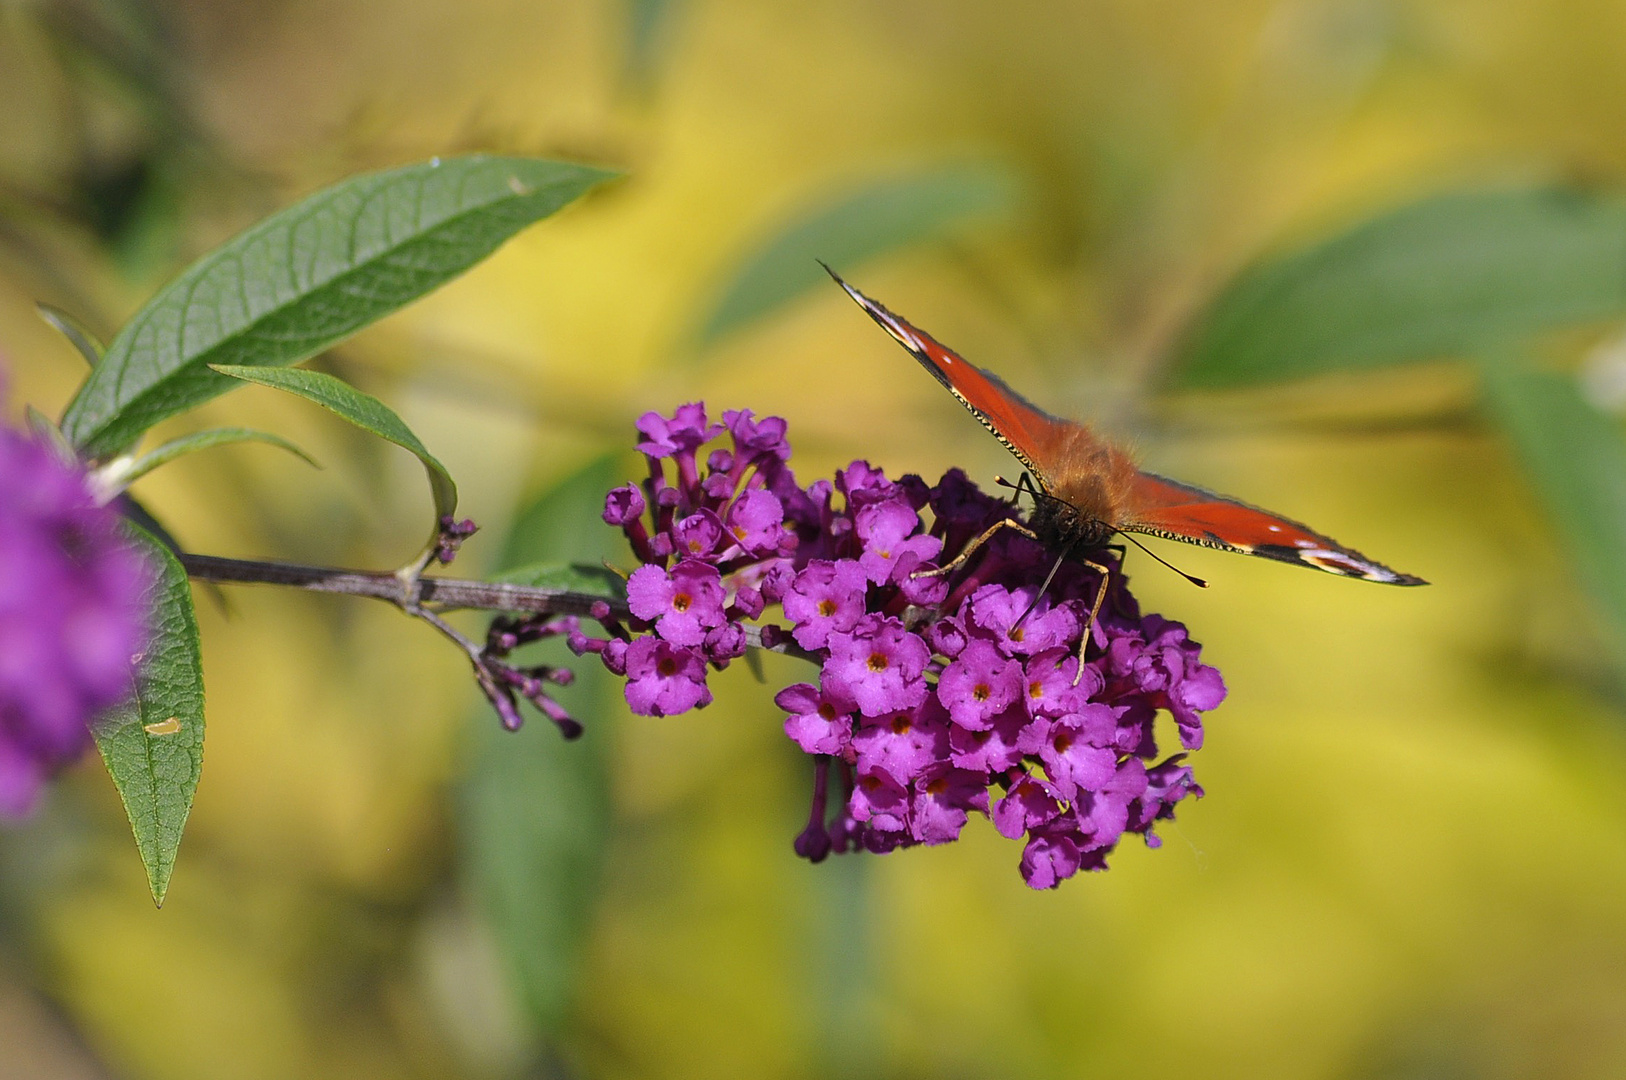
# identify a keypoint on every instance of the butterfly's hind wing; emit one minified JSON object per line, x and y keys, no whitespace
{"x":1167,"y":508}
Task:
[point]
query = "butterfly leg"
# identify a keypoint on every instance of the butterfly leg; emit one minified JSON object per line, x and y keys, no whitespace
{"x":975,"y":545}
{"x":1095,"y":611}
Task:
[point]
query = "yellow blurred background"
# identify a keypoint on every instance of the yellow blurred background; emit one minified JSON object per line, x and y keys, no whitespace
{"x":1411,"y":860}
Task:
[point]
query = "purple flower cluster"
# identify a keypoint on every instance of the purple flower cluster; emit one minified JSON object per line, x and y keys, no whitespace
{"x":938,"y":694}
{"x":71,"y":617}
{"x":716,"y":550}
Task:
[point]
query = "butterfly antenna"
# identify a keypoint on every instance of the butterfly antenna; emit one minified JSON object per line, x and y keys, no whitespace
{"x":1022,"y":486}
{"x":1193,"y":578}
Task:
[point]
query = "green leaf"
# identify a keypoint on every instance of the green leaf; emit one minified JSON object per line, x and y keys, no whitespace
{"x":576,"y":577}
{"x":308,"y":277}
{"x":362,"y":410}
{"x":153,"y":744}
{"x":1576,"y":457}
{"x":72,"y":329}
{"x":117,"y":478}
{"x":128,"y":507}
{"x":871,"y":221}
{"x":536,"y":809}
{"x":50,"y":435}
{"x":1449,"y":276}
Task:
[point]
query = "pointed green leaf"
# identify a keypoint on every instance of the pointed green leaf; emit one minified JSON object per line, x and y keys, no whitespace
{"x":74,"y":330}
{"x":362,"y":410}
{"x":536,"y":809}
{"x":871,"y":221}
{"x":1449,"y":276}
{"x":1576,"y":458}
{"x":120,"y":478}
{"x":308,"y":277}
{"x":153,"y":744}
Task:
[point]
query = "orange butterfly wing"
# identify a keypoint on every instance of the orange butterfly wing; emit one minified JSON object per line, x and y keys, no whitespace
{"x":1025,"y":429}
{"x":1153,"y":505}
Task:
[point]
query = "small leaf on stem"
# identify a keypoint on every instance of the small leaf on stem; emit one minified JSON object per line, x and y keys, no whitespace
{"x":362,"y":410}
{"x":123,"y":472}
{"x":74,"y":330}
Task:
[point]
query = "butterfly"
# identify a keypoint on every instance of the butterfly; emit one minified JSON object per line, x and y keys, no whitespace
{"x":1085,"y":489}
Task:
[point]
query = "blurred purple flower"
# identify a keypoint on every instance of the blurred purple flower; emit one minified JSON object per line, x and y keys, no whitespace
{"x":71,"y":617}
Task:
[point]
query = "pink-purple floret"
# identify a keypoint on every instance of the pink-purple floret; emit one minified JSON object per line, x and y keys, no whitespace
{"x":928,"y":706}
{"x":71,"y":617}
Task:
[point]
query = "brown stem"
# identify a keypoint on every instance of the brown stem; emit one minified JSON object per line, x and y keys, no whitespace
{"x":411,"y":593}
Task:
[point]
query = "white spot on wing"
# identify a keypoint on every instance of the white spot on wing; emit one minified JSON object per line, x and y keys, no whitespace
{"x":1338,"y":563}
{"x":905,"y":338}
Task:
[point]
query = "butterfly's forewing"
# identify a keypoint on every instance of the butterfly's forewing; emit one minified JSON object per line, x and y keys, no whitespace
{"x":1176,"y":511}
{"x":1025,"y":429}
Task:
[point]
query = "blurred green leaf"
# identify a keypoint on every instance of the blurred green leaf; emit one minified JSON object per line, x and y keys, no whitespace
{"x":566,"y":523}
{"x":1576,"y":457}
{"x":71,"y":328}
{"x":649,"y":29}
{"x":536,"y":809}
{"x":198,"y":440}
{"x":362,"y":410}
{"x":593,"y":580}
{"x":1448,"y":276}
{"x":153,"y":745}
{"x":50,"y":435}
{"x":871,"y":221}
{"x":308,"y":277}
